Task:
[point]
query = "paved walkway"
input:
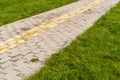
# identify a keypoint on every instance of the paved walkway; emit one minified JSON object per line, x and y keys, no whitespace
{"x":43,"y":35}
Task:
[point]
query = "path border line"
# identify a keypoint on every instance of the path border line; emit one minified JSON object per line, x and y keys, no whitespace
{"x":28,"y":35}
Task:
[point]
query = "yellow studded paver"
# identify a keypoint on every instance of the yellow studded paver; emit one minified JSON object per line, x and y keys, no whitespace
{"x":13,"y":42}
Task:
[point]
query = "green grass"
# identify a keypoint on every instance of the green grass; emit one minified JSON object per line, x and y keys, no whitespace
{"x":12,"y":10}
{"x":95,"y":55}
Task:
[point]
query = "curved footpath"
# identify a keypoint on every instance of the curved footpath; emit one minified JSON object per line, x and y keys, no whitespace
{"x":43,"y":35}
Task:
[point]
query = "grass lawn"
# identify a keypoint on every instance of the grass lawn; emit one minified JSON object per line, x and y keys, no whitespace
{"x":95,"y":55}
{"x":12,"y":10}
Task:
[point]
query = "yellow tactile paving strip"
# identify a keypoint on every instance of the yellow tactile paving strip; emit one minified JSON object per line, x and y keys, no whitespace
{"x":13,"y":42}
